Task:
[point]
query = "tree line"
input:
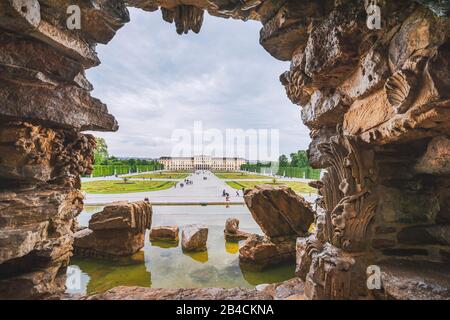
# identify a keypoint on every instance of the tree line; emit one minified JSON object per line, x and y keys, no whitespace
{"x":294,"y":166}
{"x":107,"y":165}
{"x":102,"y":157}
{"x":297,"y":159}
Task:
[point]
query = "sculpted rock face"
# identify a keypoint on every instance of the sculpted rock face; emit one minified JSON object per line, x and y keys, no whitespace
{"x":164,"y":233}
{"x":232,"y":225}
{"x":232,"y":232}
{"x":279,"y":211}
{"x":116,"y":231}
{"x":378,"y":112}
{"x":194,"y":237}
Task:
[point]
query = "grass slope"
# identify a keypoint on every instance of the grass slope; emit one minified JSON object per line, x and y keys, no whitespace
{"x":159,"y":175}
{"x":299,"y":187}
{"x":117,"y":186}
{"x":239,"y":175}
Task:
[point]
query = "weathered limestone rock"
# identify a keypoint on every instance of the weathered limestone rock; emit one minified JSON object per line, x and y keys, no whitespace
{"x":186,"y":18}
{"x":293,"y":289}
{"x":259,"y":252}
{"x":282,"y":215}
{"x":302,"y":258}
{"x":140,"y":293}
{"x":232,"y":225}
{"x":36,"y":239}
{"x":194,"y":237}
{"x":232,"y":232}
{"x":101,"y":19}
{"x":39,"y":154}
{"x":370,"y":75}
{"x":164,"y":233}
{"x":408,"y":280}
{"x":329,"y":273}
{"x":69,"y":107}
{"x":20,"y":14}
{"x":331,"y":50}
{"x":116,"y":231}
{"x":279,"y":211}
{"x":317,"y":159}
{"x":282,"y":34}
{"x":436,"y":160}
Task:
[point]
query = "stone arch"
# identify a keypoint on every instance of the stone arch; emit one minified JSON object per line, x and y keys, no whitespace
{"x":376,"y":102}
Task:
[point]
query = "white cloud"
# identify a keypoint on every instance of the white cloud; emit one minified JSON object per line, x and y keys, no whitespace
{"x":155,"y":81}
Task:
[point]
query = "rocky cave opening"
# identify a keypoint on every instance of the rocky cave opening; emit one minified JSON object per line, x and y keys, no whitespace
{"x":376,"y":102}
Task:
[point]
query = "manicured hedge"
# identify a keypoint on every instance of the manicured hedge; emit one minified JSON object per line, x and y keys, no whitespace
{"x":110,"y":170}
{"x":288,"y":172}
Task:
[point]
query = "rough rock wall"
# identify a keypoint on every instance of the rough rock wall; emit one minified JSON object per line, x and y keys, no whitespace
{"x":39,"y":198}
{"x":376,"y":102}
{"x":44,"y":104}
{"x":115,"y":232}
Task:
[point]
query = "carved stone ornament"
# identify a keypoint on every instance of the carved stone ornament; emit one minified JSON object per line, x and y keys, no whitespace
{"x":347,"y":193}
{"x":400,"y":90}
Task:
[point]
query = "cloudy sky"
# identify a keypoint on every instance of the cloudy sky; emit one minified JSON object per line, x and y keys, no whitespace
{"x":157,"y":83}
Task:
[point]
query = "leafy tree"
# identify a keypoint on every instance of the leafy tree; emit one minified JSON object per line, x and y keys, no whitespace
{"x":283,"y":161}
{"x":101,"y":151}
{"x":299,"y":159}
{"x":302,"y":159}
{"x":294,"y":159}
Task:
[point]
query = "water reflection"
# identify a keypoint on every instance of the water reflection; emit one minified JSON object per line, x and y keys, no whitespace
{"x":231,"y":247}
{"x":164,"y":244}
{"x":103,"y":275}
{"x":164,"y":264}
{"x":200,"y":256}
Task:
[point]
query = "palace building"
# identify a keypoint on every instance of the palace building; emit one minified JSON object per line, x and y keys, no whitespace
{"x":202,"y":163}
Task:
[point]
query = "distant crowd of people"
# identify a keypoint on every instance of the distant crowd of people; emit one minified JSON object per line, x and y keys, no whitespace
{"x":227,"y":195}
{"x":185,"y":182}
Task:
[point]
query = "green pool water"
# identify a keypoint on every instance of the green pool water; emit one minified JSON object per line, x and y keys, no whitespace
{"x":165,"y":265}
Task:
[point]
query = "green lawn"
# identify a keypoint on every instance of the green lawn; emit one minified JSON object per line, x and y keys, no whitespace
{"x":239,"y":175}
{"x":117,"y":186}
{"x":160,"y":175}
{"x":299,"y":187}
